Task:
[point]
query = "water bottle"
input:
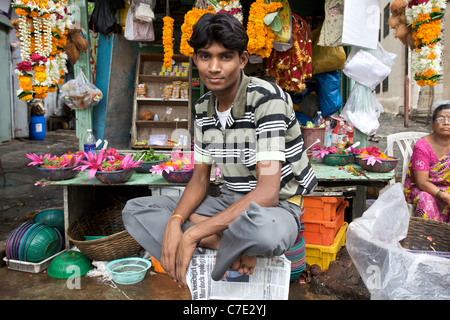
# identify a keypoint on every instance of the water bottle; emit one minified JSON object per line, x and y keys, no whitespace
{"x":342,"y":138}
{"x":328,"y":134}
{"x":89,"y":142}
{"x":318,"y":119}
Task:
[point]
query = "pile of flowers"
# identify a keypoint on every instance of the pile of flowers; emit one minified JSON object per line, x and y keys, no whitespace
{"x":425,"y":16}
{"x":321,"y":152}
{"x":43,"y":34}
{"x":48,"y":161}
{"x":167,"y":40}
{"x":177,"y":162}
{"x":260,"y":34}
{"x":232,"y":7}
{"x":107,"y":160}
{"x":372,"y":154}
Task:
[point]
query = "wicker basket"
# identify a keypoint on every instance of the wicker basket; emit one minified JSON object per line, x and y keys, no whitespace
{"x":427,"y":235}
{"x":117,"y":244}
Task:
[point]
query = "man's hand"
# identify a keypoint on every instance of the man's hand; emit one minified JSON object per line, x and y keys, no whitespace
{"x":171,"y":240}
{"x":185,"y":251}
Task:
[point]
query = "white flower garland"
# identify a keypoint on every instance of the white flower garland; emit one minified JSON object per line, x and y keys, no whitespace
{"x":426,"y":57}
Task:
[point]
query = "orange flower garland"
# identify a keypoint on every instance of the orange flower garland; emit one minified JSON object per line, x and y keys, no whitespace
{"x":190,"y":19}
{"x":167,"y":40}
{"x":260,"y":35}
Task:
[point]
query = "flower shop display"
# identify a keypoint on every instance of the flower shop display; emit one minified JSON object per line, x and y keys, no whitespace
{"x":43,"y":34}
{"x":54,"y":168}
{"x":178,"y":169}
{"x":191,"y":18}
{"x":108,"y":166}
{"x":424,"y":17}
{"x":332,"y":156}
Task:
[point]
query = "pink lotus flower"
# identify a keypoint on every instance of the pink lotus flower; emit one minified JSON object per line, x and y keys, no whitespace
{"x":322,"y":152}
{"x":158,"y":169}
{"x":371,"y":160}
{"x":93,"y":163}
{"x":36,"y":160}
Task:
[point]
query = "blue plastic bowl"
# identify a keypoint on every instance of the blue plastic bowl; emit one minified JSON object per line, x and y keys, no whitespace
{"x":128,"y":270}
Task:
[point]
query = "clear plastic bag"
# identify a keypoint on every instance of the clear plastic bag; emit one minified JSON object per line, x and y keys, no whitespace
{"x":143,"y":11}
{"x":388,"y":270}
{"x":369,"y":67}
{"x":362,"y":109}
{"x":79,"y":93}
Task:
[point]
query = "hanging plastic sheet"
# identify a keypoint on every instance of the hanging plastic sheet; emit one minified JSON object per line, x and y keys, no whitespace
{"x":388,"y":270}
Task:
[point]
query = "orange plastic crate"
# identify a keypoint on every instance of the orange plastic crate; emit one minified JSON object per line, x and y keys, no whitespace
{"x":323,"y":232}
{"x":321,"y":208}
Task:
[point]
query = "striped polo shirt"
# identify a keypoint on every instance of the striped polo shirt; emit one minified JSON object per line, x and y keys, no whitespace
{"x":261,"y":126}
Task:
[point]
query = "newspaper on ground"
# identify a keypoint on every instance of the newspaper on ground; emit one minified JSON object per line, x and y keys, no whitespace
{"x":269,"y":281}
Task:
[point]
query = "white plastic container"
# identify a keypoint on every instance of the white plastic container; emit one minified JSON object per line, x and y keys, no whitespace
{"x":32,"y":267}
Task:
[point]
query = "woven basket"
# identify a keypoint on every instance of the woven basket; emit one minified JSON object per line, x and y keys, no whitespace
{"x":117,"y":244}
{"x":426,"y":235}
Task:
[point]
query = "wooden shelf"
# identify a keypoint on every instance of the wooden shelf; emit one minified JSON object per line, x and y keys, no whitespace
{"x":167,"y":109}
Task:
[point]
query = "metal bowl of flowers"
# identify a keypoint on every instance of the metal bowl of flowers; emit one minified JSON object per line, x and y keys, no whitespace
{"x":54,"y":168}
{"x":178,"y":170}
{"x":373,"y":160}
{"x":110,"y":167}
{"x":337,"y":159}
{"x":379,"y":165}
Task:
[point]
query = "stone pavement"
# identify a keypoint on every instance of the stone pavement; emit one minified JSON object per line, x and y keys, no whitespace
{"x":20,"y":199}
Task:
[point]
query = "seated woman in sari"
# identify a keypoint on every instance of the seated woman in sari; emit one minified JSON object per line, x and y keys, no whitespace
{"x":427,"y":184}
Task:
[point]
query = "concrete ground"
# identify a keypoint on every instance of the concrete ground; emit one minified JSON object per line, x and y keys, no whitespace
{"x":20,"y":199}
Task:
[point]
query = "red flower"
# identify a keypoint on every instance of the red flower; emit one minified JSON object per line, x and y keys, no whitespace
{"x":38,"y":58}
{"x":416,"y":2}
{"x":24,"y":66}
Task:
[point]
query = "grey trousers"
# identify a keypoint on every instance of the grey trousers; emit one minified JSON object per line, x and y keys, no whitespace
{"x":258,"y":231}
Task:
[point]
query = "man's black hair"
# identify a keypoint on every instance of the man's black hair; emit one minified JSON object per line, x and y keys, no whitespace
{"x":222,"y":28}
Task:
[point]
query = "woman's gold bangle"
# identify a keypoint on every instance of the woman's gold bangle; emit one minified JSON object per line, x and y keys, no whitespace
{"x":179,"y":216}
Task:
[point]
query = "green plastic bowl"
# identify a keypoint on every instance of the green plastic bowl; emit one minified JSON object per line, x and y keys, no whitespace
{"x":337,"y":159}
{"x":69,"y":264}
{"x":51,"y":217}
{"x":44,"y":244}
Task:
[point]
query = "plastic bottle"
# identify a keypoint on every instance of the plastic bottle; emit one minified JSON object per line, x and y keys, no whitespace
{"x":318,"y":119}
{"x":328,"y":134}
{"x":342,"y":138}
{"x":89,"y":142}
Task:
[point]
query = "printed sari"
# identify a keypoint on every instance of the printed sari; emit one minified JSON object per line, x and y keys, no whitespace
{"x":427,"y":205}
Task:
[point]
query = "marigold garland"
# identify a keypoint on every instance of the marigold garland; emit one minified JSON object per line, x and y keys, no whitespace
{"x":424,"y":16}
{"x":167,"y":40}
{"x":43,"y":33}
{"x":260,"y":35}
{"x":190,"y":19}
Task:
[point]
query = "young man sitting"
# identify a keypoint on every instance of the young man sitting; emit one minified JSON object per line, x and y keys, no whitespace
{"x":247,"y":126}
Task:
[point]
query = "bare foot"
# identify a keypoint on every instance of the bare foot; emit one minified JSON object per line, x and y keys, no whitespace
{"x":244,"y":264}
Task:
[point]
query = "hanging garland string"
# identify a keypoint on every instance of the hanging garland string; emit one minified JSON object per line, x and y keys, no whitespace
{"x":260,"y":35}
{"x":425,"y":20}
{"x":43,"y":34}
{"x":167,"y":40}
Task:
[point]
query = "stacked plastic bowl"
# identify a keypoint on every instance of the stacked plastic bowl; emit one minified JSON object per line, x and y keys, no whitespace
{"x":33,"y":242}
{"x":296,"y":254}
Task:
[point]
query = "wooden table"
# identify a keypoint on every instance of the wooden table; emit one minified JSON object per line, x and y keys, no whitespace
{"x":82,"y":194}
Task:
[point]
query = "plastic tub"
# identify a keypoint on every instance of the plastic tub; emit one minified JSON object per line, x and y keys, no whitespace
{"x":128,"y":270}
